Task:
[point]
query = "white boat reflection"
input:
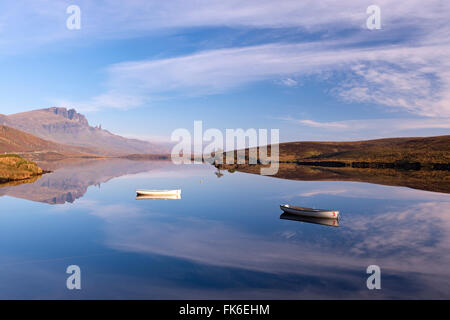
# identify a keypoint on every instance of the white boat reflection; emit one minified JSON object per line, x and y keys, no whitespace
{"x":322,"y":221}
{"x":166,"y":197}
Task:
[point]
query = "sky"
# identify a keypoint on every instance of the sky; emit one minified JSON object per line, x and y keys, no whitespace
{"x":311,"y":69}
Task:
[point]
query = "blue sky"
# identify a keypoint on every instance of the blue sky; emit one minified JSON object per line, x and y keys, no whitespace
{"x":310,"y":68}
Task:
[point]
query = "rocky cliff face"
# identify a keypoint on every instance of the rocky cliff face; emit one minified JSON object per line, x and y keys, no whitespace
{"x":66,"y":126}
{"x":70,"y":114}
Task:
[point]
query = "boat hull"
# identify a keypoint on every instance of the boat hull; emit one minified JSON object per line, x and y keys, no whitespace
{"x":313,"y":213}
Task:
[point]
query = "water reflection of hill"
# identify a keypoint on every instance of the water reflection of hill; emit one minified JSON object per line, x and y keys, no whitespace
{"x":70,"y":179}
{"x":429,"y":180}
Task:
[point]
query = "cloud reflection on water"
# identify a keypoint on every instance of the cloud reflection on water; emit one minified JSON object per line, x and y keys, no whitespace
{"x":212,"y":235}
{"x":411,"y":242}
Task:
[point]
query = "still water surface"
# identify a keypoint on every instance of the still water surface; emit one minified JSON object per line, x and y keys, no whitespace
{"x":224,"y":238}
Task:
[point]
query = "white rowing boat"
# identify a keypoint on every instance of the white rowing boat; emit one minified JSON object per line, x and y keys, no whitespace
{"x":159,"y":193}
{"x":310,"y":212}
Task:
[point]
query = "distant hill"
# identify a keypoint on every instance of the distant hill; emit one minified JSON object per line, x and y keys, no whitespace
{"x":420,"y":163}
{"x":16,"y":141}
{"x":69,"y":127}
{"x":424,"y":150}
{"x":417,"y":149}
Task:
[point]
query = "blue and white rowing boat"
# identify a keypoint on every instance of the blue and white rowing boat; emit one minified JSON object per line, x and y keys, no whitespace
{"x":310,"y":212}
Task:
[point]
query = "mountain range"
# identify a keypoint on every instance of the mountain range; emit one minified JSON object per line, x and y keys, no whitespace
{"x":66,"y":130}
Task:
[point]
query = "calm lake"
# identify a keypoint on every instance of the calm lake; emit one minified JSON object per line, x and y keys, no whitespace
{"x":224,"y":239}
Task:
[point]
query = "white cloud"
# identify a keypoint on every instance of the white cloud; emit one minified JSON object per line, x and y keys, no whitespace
{"x":415,"y":80}
{"x":379,"y":125}
{"x":326,"y":125}
{"x":412,"y":75}
{"x":355,"y":190}
{"x":111,"y":99}
{"x":420,"y":88}
{"x":25,"y":24}
{"x":288,"y":82}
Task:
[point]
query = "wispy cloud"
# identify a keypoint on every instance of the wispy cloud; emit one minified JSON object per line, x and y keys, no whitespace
{"x":418,"y":87}
{"x":405,"y":66}
{"x":416,"y":80}
{"x":115,"y":100}
{"x":400,"y":124}
{"x":327,"y":125}
{"x":354,"y":190}
{"x":288,"y":82}
{"x":375,"y":128}
{"x":40,"y":22}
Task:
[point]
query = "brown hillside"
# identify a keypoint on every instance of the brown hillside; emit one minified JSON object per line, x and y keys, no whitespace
{"x":423,"y":150}
{"x":16,"y":141}
{"x":420,"y":163}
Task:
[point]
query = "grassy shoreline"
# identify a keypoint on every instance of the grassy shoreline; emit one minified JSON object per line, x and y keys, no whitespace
{"x":431,"y":153}
{"x":419,"y":163}
{"x":15,"y":168}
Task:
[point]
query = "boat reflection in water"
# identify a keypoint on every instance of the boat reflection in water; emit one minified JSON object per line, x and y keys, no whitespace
{"x":158,"y":194}
{"x":166,"y":197}
{"x":322,"y":221}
